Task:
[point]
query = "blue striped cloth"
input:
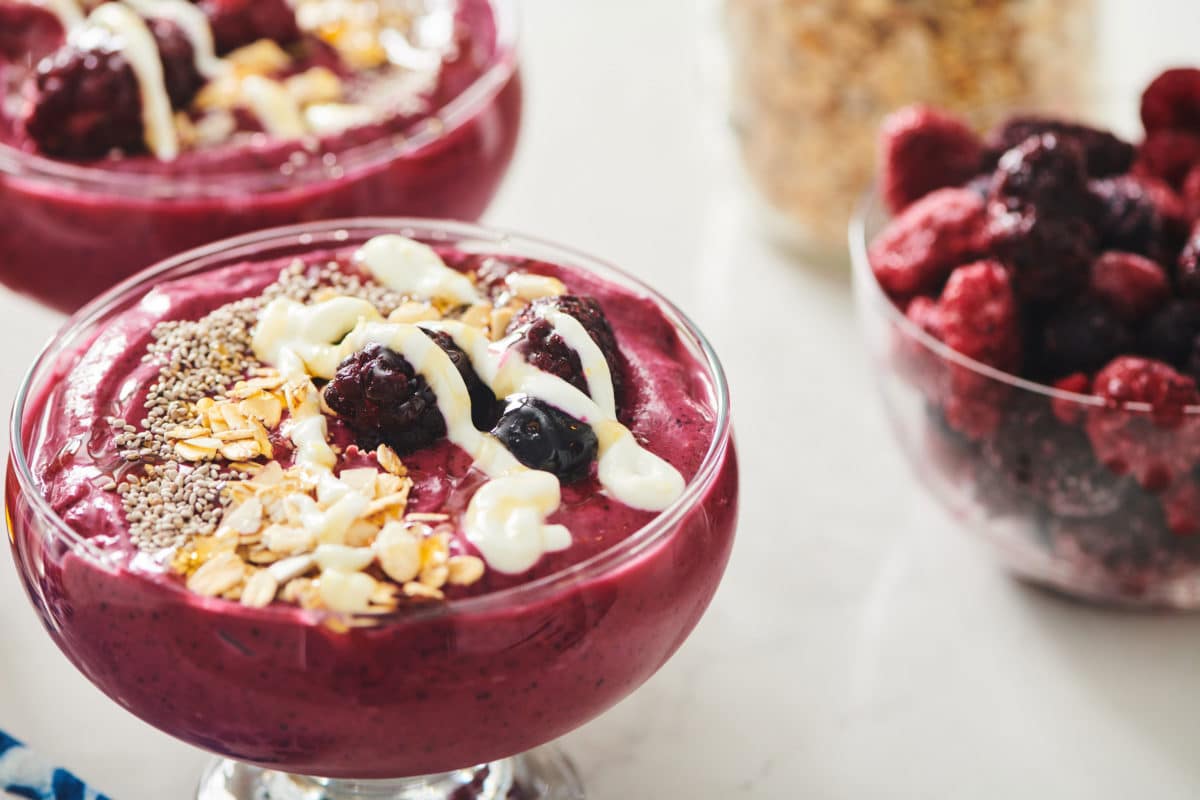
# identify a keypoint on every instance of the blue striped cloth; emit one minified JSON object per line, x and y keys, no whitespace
{"x":23,"y":774}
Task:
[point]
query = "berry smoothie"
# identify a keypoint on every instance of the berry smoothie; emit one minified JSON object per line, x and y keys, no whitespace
{"x":150,"y":126}
{"x":482,"y":493}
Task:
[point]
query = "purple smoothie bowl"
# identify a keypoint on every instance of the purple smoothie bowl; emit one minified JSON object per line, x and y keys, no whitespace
{"x":430,"y":691}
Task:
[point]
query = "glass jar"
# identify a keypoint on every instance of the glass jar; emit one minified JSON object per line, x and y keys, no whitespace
{"x":812,"y":79}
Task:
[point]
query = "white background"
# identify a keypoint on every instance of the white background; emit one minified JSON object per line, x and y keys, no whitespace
{"x":860,"y":646}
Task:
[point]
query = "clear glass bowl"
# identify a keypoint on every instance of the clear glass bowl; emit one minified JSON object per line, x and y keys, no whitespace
{"x":72,"y":231}
{"x":431,"y":692}
{"x":1024,"y":479}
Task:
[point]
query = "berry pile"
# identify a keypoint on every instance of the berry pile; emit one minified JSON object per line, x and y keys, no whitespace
{"x":1062,"y":254}
{"x":87,"y":103}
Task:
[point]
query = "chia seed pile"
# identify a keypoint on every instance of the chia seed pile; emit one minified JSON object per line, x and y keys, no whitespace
{"x":167,"y":502}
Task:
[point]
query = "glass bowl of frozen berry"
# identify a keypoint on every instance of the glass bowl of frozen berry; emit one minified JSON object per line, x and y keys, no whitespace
{"x":1030,"y":295}
{"x":133,"y":130}
{"x":388,"y":502}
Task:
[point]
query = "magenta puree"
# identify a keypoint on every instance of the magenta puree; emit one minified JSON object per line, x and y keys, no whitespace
{"x":67,"y":238}
{"x":445,"y":687}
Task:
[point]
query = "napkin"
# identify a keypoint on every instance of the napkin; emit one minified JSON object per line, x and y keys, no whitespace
{"x":25,"y":775}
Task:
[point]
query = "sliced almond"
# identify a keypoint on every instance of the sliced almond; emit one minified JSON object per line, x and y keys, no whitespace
{"x":348,"y":592}
{"x":245,"y":518}
{"x":260,"y":589}
{"x":412,"y":312}
{"x":434,"y":575}
{"x":477,"y":316}
{"x":288,"y":540}
{"x":261,"y":556}
{"x":217,"y":576}
{"x":361,"y":533}
{"x":263,"y":407}
{"x":316,"y":85}
{"x":188,"y":432}
{"x":390,"y":462}
{"x":343,"y":558}
{"x":421,"y":591}
{"x":290,"y":568}
{"x":386,"y":483}
{"x":189,"y":450}
{"x":271,"y":475}
{"x":263,"y":57}
{"x":528,"y":286}
{"x":464,"y":570}
{"x":361,"y":480}
{"x":233,"y":436}
{"x":418,"y":516}
{"x":399,"y":552}
{"x":242,"y":450}
{"x":397,"y":500}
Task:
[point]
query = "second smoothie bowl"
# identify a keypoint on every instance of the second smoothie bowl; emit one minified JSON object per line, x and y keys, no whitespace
{"x":148,"y":127}
{"x":373,"y":499}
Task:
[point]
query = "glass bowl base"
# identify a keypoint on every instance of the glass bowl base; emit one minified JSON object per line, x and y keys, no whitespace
{"x":543,"y":774}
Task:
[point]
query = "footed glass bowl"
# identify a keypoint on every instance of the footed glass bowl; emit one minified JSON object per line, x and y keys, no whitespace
{"x":1013,"y":461}
{"x":71,"y":231}
{"x":434,"y":702}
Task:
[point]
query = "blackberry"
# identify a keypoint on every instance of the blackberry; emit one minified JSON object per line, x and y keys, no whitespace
{"x":485,"y":408}
{"x":542,"y":437}
{"x":1103,"y":153}
{"x":1045,"y":172}
{"x":1049,"y":257}
{"x":88,"y":102}
{"x":1170,"y":334}
{"x":379,"y":396}
{"x":547,"y":351}
{"x":1083,"y":338}
{"x":1126,"y":217}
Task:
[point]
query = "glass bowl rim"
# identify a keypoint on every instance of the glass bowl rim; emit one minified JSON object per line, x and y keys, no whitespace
{"x":335,"y":232}
{"x":864,"y":277}
{"x":437,"y":125}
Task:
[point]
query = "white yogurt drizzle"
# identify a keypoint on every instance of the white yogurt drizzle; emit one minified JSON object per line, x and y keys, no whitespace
{"x":118,"y":25}
{"x":194,"y":25}
{"x":506,"y":518}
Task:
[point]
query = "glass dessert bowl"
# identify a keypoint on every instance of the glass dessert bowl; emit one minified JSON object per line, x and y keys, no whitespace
{"x":1029,"y":302}
{"x":428,"y":612}
{"x":261,"y":122}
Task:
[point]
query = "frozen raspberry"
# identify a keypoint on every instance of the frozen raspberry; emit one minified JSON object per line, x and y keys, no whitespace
{"x":1168,"y":155}
{"x":543,"y":437}
{"x":926,"y":314}
{"x":1181,"y":505}
{"x":1043,"y":172}
{"x":1170,"y":334}
{"x":1127,"y":217}
{"x":1103,"y":153}
{"x":27,"y":32}
{"x":979,"y":315}
{"x":88,"y":102}
{"x":382,"y":399}
{"x":1051,"y":463}
{"x":1083,"y":337}
{"x":1050,"y":257}
{"x":919,"y":248}
{"x":922,"y":149}
{"x":1131,"y":285}
{"x":1172,"y":100}
{"x":236,"y":23}
{"x":1067,"y":411}
{"x":485,"y":407}
{"x":1155,"y":446}
{"x":547,"y":351}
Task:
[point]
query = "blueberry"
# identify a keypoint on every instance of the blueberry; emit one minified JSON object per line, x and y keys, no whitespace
{"x":542,"y":437}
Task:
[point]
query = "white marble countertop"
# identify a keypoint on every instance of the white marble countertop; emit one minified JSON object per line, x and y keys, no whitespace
{"x":860,"y":647}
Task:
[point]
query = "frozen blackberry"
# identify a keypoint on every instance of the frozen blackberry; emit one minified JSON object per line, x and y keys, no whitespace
{"x":1170,"y":334}
{"x":379,"y":396}
{"x":547,"y":351}
{"x":88,"y":103}
{"x":1049,"y":257}
{"x":485,"y":408}
{"x":1044,"y":172}
{"x":1103,"y":153}
{"x":1083,"y":337}
{"x":545,"y":438}
{"x":1127,"y":218}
